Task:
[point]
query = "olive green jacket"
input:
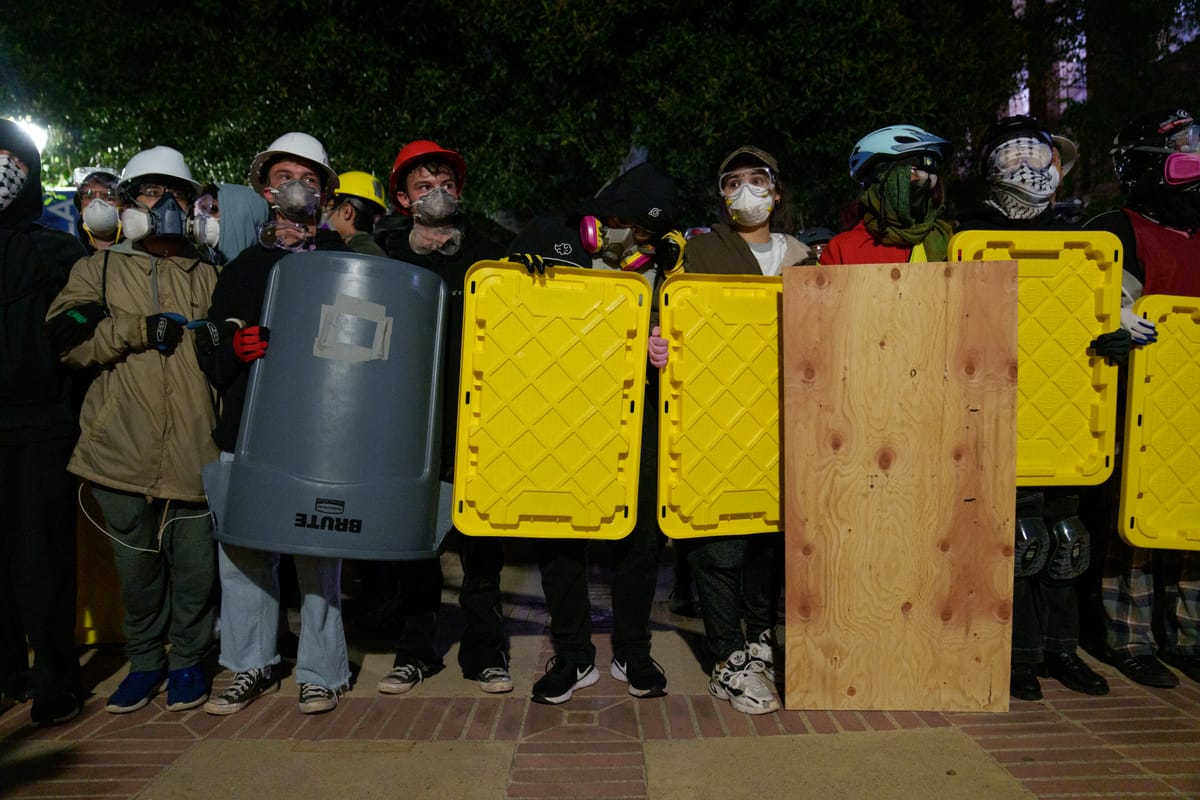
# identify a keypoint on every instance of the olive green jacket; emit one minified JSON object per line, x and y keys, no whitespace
{"x":147,"y":420}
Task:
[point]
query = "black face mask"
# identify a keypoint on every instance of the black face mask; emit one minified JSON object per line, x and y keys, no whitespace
{"x":168,"y":218}
{"x":164,"y":218}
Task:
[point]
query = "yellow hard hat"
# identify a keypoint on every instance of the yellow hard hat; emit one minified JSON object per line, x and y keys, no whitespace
{"x":362,"y":185}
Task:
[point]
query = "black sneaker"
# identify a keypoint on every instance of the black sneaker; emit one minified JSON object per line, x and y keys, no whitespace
{"x":1023,"y":683}
{"x":1069,"y":670}
{"x":1146,"y":670}
{"x":55,"y":708}
{"x":561,"y":680}
{"x":1188,"y":665}
{"x":644,"y":675}
{"x":246,"y":687}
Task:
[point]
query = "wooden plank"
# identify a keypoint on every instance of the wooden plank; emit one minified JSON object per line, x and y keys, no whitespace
{"x":900,"y":484}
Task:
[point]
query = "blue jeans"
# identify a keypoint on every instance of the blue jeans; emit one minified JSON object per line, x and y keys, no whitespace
{"x":250,"y":615}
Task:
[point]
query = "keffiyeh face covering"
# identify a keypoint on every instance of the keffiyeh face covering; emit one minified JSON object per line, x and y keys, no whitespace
{"x":1023,"y":180}
{"x":13,"y":175}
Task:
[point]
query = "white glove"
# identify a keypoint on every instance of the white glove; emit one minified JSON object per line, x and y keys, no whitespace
{"x":1142,"y":330}
{"x":657,"y":348}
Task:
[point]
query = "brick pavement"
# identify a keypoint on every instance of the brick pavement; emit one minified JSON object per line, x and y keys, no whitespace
{"x":1135,"y":741}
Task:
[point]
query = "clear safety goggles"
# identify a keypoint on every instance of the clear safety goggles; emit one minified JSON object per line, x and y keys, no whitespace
{"x":758,"y":177}
{"x":206,"y":206}
{"x":1011,"y":155}
{"x":1186,"y":140}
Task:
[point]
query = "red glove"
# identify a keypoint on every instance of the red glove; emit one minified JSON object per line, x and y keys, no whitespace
{"x":250,"y":343}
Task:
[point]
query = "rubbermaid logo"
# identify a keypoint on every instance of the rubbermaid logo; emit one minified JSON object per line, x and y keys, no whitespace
{"x":324,"y":506}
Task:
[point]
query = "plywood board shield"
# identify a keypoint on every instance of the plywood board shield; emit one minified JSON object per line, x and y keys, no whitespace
{"x":900,"y":484}
{"x":1069,"y":292}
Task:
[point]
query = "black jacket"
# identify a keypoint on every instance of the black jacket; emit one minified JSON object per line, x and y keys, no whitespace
{"x":452,"y":269}
{"x":37,"y":392}
{"x":239,"y":294}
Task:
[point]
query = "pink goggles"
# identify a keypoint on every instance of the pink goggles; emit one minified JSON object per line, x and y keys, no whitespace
{"x":1181,"y":168}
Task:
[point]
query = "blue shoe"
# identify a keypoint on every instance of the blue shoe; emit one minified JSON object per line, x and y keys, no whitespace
{"x":135,"y":691}
{"x":186,"y":688}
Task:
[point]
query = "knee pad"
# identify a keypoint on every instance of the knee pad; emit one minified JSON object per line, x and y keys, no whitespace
{"x":1070,"y":550}
{"x":1032,"y":544}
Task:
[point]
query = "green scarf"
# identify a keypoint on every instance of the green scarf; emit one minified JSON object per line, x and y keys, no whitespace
{"x":901,"y":214}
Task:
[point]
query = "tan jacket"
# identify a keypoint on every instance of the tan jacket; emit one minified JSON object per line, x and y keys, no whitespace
{"x":147,"y":421}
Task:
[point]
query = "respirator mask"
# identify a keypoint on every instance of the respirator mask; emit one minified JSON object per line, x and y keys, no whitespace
{"x":750,"y":205}
{"x":297,"y":201}
{"x":101,"y":219}
{"x":206,"y":224}
{"x":164,"y":218}
{"x":435,"y":208}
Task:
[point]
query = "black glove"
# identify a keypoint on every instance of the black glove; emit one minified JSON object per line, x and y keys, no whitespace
{"x":531,"y":261}
{"x":165,"y":331}
{"x":73,"y":326}
{"x":668,"y":253}
{"x":1114,"y":346}
{"x":211,"y":335}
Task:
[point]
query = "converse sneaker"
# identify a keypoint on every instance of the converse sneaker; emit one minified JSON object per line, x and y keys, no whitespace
{"x":403,"y":678}
{"x":742,"y":685}
{"x":242,"y":692}
{"x":316,"y":699}
{"x":561,"y":680}
{"x":644,"y":675}
{"x":495,"y":680}
{"x":761,"y":655}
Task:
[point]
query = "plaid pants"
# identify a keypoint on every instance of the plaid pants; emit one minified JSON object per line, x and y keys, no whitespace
{"x":1127,"y":593}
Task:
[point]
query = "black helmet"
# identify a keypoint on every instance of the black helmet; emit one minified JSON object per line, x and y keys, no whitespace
{"x":815,"y":236}
{"x":1140,"y":150}
{"x":1007,"y":128}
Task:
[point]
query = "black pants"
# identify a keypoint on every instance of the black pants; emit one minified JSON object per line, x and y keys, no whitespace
{"x":37,"y":561}
{"x":735,"y":580}
{"x":420,"y":594}
{"x":1045,"y":617}
{"x":563,"y":564}
{"x":419,"y":590}
{"x":483,"y":642}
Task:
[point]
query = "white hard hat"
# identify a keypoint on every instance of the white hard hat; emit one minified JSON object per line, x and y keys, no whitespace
{"x":161,"y":160}
{"x":292,"y":144}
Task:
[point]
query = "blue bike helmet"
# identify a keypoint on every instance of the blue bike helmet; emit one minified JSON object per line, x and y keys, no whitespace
{"x":894,"y":142}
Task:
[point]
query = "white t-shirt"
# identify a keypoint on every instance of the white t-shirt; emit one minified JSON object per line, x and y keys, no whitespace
{"x":770,"y":254}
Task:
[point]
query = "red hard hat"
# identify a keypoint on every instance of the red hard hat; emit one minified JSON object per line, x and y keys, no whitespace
{"x":420,"y":149}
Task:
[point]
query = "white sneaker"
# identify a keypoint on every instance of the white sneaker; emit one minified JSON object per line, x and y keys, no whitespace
{"x":401,"y":679}
{"x":316,"y":699}
{"x":743,"y":685}
{"x":495,"y":680}
{"x":761,"y":655}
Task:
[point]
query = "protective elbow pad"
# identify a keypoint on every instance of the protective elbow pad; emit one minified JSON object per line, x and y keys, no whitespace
{"x":1032,"y":545}
{"x":1070,"y":550}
